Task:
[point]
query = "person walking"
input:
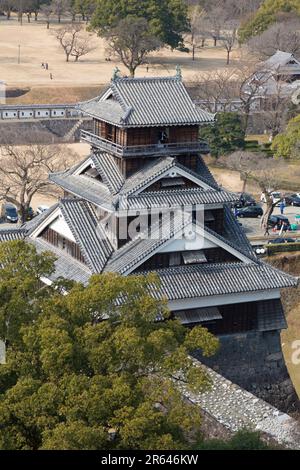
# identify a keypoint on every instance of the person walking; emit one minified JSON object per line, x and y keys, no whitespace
{"x":282,"y":206}
{"x":267,"y":233}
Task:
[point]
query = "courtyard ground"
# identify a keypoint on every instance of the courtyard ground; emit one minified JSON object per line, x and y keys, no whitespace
{"x":36,"y":45}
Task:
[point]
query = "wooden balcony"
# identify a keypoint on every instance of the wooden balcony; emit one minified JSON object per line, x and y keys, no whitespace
{"x":153,"y":150}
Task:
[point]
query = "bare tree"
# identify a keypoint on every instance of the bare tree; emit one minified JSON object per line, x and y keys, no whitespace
{"x":275,"y":112}
{"x":221,"y":15}
{"x":251,"y":80}
{"x":24,"y":172}
{"x":131,"y":41}
{"x":60,"y":7}
{"x":7,"y":6}
{"x":244,"y":163}
{"x":283,"y":36}
{"x":216,"y":18}
{"x":67,"y":36}
{"x":218,"y":88}
{"x":47,"y":12}
{"x":263,"y":171}
{"x":199,"y":30}
{"x":82,"y":45}
{"x":229,"y":37}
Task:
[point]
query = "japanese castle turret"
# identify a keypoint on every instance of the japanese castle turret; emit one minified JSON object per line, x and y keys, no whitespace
{"x":144,"y":200}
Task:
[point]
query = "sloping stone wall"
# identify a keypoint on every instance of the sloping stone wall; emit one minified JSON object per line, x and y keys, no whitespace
{"x":228,"y":408}
{"x":254,"y":361}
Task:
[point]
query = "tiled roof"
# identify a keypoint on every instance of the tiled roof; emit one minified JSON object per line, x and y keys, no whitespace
{"x":176,"y":198}
{"x":280,"y":58}
{"x":85,"y":188}
{"x":203,"y":170}
{"x":109,"y":111}
{"x":235,"y":234}
{"x":155,"y":101}
{"x":154,"y":169}
{"x":149,"y":172}
{"x":32,"y":224}
{"x":8,"y":234}
{"x":88,"y":233}
{"x":108,"y":170}
{"x":140,"y":248}
{"x":204,"y":280}
{"x":65,"y":266}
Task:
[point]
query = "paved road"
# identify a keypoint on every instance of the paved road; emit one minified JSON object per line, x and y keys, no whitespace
{"x":253,"y":229}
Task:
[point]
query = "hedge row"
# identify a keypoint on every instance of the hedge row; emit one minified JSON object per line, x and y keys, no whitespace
{"x":271,"y":249}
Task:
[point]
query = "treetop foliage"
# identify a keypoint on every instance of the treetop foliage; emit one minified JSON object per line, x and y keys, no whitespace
{"x":266,"y":15}
{"x":97,"y":368}
{"x":287,"y":144}
{"x":226,"y":135}
{"x":167,"y":18}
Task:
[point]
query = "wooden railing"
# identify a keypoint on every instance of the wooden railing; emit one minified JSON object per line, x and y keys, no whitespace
{"x":153,"y":149}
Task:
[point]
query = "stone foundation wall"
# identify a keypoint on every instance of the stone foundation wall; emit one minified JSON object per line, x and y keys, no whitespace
{"x":254,"y":361}
{"x":227,"y":408}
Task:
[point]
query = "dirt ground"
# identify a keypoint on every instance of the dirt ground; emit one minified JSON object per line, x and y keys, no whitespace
{"x":37,"y":45}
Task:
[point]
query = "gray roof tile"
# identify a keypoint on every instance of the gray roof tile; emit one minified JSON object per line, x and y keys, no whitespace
{"x":8,"y":234}
{"x":234,"y":234}
{"x":65,"y":266}
{"x":149,"y":172}
{"x":88,"y":233}
{"x":151,"y":101}
{"x":84,"y":187}
{"x":108,"y":170}
{"x":185,"y":282}
{"x":175,"y":198}
{"x":134,"y":252}
{"x":32,"y":224}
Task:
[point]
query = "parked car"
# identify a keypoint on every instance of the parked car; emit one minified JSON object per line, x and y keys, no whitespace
{"x":275,"y":195}
{"x":279,"y":240}
{"x":279,"y":219}
{"x":245,"y":200}
{"x":292,"y":200}
{"x":260,"y":250}
{"x":41,"y":209}
{"x":250,"y":211}
{"x":9,"y":213}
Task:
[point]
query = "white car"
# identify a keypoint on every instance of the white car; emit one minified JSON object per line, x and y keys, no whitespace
{"x":41,"y":209}
{"x":275,"y":195}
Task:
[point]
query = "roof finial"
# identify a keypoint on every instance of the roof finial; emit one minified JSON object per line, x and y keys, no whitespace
{"x":116,"y":73}
{"x":178,"y":72}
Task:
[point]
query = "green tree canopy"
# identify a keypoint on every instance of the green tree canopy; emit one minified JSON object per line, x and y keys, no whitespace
{"x":226,"y":136}
{"x":167,"y":19}
{"x":131,"y":41}
{"x":242,"y":440}
{"x":97,"y":368}
{"x":20,"y":273}
{"x":287,"y":144}
{"x":267,"y":15}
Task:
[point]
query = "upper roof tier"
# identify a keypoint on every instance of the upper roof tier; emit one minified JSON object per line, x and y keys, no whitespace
{"x":146,"y":102}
